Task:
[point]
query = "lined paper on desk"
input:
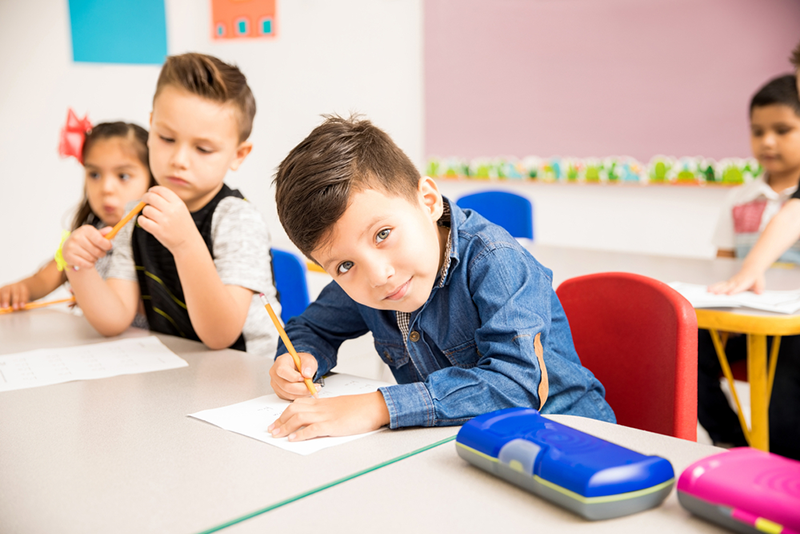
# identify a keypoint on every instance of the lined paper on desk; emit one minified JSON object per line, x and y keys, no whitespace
{"x":43,"y":367}
{"x":252,"y":418}
{"x":773,"y":301}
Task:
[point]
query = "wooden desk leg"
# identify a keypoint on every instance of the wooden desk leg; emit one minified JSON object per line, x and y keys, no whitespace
{"x":759,"y":399}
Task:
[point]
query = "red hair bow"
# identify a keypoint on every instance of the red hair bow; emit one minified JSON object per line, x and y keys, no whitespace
{"x":73,"y":134}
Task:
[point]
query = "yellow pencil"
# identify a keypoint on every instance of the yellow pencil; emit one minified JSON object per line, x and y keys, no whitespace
{"x":117,"y":227}
{"x":289,"y":346}
{"x":32,"y":305}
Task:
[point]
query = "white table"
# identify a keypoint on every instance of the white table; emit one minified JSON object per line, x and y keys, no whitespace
{"x":120,"y":455}
{"x":437,"y":491}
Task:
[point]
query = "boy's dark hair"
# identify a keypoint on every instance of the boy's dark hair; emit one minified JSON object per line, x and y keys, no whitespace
{"x":795,"y":57}
{"x":781,"y":91}
{"x":340,"y":157}
{"x":137,"y":138}
{"x":211,"y":78}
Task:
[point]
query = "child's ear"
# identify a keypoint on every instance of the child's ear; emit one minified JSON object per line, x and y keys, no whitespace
{"x":242,"y":151}
{"x":431,"y":198}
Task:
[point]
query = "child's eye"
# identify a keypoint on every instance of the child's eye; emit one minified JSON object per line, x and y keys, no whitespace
{"x":382,"y":235}
{"x":204,"y":150}
{"x":124,"y":177}
{"x":166,"y":139}
{"x":93,"y":175}
{"x":344,"y":267}
{"x":783,"y":131}
{"x":756,"y":133}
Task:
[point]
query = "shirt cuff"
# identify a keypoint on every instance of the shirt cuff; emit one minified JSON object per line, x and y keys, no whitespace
{"x":409,"y":405}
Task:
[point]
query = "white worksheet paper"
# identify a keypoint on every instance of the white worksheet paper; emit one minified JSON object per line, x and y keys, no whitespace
{"x":773,"y":301}
{"x":42,"y":367}
{"x":252,"y":418}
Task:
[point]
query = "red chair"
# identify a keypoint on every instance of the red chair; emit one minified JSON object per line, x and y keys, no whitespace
{"x":639,"y":338}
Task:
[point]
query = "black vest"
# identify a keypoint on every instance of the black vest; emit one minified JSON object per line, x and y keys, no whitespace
{"x":159,"y":283}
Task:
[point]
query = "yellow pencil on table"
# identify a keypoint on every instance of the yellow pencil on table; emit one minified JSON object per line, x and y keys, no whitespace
{"x":32,"y":305}
{"x":117,"y":227}
{"x":289,"y":346}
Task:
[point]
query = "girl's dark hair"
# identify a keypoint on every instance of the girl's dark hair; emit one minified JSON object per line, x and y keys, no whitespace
{"x":107,"y":130}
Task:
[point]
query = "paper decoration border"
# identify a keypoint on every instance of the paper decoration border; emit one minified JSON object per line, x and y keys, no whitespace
{"x":610,"y":170}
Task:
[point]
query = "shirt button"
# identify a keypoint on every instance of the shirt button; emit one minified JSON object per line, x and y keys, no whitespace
{"x":414,"y":336}
{"x":386,"y":355}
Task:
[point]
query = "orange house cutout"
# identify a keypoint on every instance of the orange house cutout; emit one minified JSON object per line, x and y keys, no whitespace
{"x":235,"y":19}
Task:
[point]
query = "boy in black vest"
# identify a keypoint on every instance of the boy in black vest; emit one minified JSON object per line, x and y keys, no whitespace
{"x":198,"y":254}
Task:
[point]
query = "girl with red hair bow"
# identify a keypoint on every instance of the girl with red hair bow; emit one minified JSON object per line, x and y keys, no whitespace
{"x":114,"y":156}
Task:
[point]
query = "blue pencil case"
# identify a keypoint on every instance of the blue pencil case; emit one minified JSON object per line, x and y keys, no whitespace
{"x":592,"y":477}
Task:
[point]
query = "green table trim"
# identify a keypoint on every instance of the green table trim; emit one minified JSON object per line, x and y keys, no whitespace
{"x":324,"y":487}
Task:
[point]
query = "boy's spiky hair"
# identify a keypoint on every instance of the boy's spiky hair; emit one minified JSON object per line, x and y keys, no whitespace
{"x":340,"y":157}
{"x":211,"y":78}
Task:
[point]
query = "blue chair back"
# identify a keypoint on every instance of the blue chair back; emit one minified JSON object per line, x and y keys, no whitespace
{"x":511,"y":211}
{"x":291,"y":283}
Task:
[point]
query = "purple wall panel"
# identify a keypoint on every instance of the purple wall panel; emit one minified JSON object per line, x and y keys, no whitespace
{"x":599,"y":77}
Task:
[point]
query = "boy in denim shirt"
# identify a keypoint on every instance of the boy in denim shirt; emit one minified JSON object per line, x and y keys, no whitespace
{"x":465,"y":317}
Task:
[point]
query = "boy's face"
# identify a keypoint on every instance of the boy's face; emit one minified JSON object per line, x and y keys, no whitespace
{"x":775,"y":138}
{"x":386,"y":251}
{"x":193,"y":142}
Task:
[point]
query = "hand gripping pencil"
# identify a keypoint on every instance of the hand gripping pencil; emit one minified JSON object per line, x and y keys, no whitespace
{"x":289,"y":346}
{"x":110,"y":235}
{"x":117,"y":227}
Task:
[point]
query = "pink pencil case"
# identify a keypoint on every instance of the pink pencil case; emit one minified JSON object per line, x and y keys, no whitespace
{"x":745,"y":490}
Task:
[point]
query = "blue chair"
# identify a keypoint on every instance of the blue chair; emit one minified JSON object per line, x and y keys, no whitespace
{"x":291,"y":283}
{"x":511,"y":211}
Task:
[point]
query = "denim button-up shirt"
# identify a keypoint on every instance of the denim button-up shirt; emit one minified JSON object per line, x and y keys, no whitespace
{"x":471,"y":348}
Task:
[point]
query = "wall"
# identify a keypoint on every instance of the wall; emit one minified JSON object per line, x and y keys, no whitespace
{"x":660,"y":220}
{"x":511,"y":77}
{"x":589,"y":78}
{"x":349,"y":55}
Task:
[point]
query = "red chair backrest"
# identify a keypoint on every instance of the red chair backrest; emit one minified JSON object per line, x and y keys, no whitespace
{"x":639,"y":338}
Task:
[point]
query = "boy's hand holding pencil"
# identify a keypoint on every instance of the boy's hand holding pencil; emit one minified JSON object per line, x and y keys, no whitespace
{"x":287,"y":382}
{"x":292,"y":373}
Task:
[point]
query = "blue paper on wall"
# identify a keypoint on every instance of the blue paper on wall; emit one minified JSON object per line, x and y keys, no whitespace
{"x":118,"y":31}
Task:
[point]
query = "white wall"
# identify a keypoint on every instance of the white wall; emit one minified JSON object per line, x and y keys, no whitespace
{"x":349,"y":55}
{"x":662,"y":220}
